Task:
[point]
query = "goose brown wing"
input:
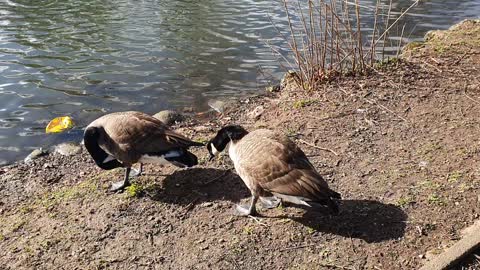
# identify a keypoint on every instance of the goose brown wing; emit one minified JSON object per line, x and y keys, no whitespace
{"x":145,"y":133}
{"x":280,"y":166}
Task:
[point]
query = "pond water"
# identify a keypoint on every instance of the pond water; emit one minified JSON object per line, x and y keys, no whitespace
{"x":86,"y":58}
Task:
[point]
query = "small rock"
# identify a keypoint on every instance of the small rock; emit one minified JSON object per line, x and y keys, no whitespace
{"x":273,"y":88}
{"x":217,"y":105}
{"x":423,"y":164}
{"x":256,"y":113}
{"x":421,"y":256}
{"x":68,"y":149}
{"x":47,"y":165}
{"x":207,"y":204}
{"x":35,"y":154}
{"x":169,"y":117}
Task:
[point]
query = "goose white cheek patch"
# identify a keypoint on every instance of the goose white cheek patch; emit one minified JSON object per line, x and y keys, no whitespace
{"x":214,"y":150}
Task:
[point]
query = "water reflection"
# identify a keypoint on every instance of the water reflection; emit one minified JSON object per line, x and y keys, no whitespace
{"x":86,"y":58}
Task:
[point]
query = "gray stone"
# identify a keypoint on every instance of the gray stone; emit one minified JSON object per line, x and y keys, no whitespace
{"x":68,"y":149}
{"x":169,"y":117}
{"x":217,"y":105}
{"x":39,"y":152}
{"x":256,"y":113}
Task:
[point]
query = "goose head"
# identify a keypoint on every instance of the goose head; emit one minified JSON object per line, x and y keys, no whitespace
{"x":223,"y":137}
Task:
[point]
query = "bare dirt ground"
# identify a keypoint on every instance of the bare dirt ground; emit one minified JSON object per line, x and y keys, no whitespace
{"x":402,"y":146}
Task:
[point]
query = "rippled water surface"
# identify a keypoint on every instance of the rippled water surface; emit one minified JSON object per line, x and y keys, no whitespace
{"x":85,"y":58}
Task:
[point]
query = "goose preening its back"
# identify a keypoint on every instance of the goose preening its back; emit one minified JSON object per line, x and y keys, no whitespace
{"x":269,"y":163}
{"x":124,"y":138}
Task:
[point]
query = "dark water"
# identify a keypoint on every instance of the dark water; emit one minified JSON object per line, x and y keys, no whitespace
{"x":87,"y":57}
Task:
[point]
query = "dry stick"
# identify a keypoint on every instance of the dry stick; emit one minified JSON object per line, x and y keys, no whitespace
{"x":297,"y":247}
{"x":387,"y":109}
{"x":395,"y":22}
{"x":359,"y":36}
{"x":400,"y":41}
{"x":385,"y":32}
{"x":372,"y":48}
{"x":257,"y":221}
{"x":318,"y":147}
{"x":216,"y":178}
{"x":335,"y":266}
{"x":295,"y":48}
{"x":306,"y":49}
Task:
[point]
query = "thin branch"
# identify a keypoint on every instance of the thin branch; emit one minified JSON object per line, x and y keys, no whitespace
{"x":318,"y":147}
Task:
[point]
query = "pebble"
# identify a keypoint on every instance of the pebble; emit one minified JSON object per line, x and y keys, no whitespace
{"x":169,"y":117}
{"x":256,"y":113}
{"x":39,"y":152}
{"x":217,"y":105}
{"x":68,"y":149}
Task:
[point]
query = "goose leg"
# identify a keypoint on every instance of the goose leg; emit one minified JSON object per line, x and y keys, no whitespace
{"x":122,"y":184}
{"x":138,"y":172}
{"x":244,"y":211}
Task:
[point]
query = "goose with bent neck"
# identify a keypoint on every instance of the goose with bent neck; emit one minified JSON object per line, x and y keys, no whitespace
{"x":269,"y":163}
{"x":124,"y":138}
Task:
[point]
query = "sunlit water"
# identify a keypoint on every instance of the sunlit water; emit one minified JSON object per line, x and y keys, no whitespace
{"x":86,"y":58}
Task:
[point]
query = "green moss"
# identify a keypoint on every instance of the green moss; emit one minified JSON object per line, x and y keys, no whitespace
{"x":454,"y":176}
{"x":405,"y":201}
{"x":303,"y":103}
{"x":436,"y":199}
{"x":134,"y":190}
{"x":247,"y":230}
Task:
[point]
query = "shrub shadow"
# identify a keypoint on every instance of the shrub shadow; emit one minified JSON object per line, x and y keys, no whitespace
{"x":369,"y":220}
{"x":197,"y":185}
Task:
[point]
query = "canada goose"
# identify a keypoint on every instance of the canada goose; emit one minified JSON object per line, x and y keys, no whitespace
{"x":269,"y":163}
{"x":124,"y":138}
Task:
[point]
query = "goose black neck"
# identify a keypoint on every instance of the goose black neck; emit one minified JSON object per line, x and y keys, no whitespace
{"x":91,"y":138}
{"x":227,"y":134}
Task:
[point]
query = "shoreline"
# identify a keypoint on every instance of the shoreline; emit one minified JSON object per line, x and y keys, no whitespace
{"x":401,"y":145}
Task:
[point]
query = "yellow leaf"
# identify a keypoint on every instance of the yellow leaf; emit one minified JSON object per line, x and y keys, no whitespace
{"x":59,"y":124}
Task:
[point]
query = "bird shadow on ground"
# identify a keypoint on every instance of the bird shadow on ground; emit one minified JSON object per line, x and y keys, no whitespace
{"x":369,"y":220}
{"x":197,"y":185}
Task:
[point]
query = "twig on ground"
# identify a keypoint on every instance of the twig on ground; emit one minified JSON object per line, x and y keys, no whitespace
{"x":387,"y":109}
{"x":335,"y":266}
{"x":297,"y":247}
{"x":318,"y":147}
{"x":257,"y":221}
{"x":216,"y":178}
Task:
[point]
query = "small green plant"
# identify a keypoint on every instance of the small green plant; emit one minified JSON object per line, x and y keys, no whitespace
{"x":405,"y":201}
{"x":310,"y":230}
{"x":429,"y":184}
{"x":454,"y":177}
{"x":2,"y":237}
{"x":302,"y":103}
{"x":247,"y":230}
{"x":134,"y":190}
{"x":436,"y":199}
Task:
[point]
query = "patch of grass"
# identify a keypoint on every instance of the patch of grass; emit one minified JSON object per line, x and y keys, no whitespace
{"x":248,"y":230}
{"x":390,"y":61}
{"x":405,"y":201}
{"x":429,"y":184}
{"x":2,"y":237}
{"x":437,"y":200}
{"x":68,"y":193}
{"x":454,"y":177}
{"x":303,"y":103}
{"x":134,"y":190}
{"x":310,"y":230}
{"x":18,"y":225}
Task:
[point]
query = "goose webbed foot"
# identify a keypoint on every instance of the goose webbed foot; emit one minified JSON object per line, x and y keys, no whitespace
{"x":269,"y":202}
{"x":244,"y":210}
{"x":121,"y":185}
{"x":136,"y":173}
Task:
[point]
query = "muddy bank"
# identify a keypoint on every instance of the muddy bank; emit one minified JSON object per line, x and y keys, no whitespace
{"x":401,"y":145}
